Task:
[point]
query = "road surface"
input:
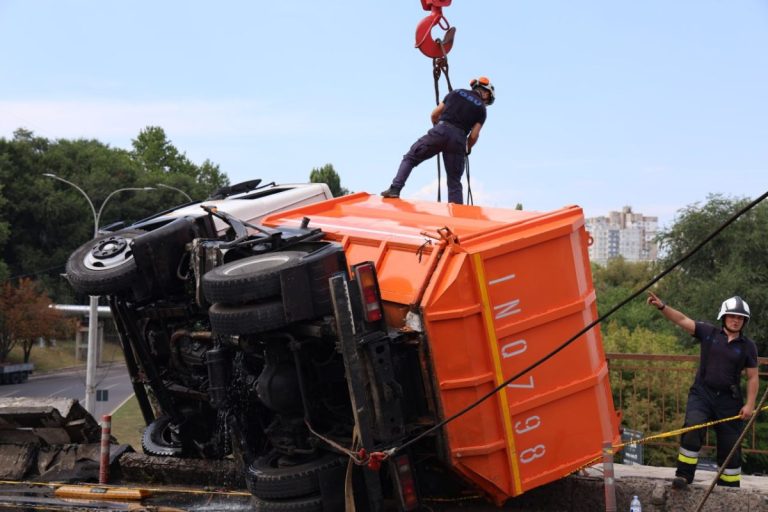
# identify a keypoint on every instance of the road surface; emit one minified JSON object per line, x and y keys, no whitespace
{"x":71,"y":384}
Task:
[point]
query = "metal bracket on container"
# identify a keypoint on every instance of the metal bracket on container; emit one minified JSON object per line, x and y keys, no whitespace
{"x":445,"y":234}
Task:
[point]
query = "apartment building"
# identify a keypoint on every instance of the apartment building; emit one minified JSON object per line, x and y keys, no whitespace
{"x":623,"y":233}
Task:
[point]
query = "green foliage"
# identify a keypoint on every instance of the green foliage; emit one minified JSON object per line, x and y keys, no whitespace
{"x":650,"y":394}
{"x":733,"y":263}
{"x":163,"y":163}
{"x":5,"y":228}
{"x":42,"y":220}
{"x":328,"y":175}
{"x":618,"y":280}
{"x":618,"y":338}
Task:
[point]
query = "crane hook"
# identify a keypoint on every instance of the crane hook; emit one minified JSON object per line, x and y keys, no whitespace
{"x":429,"y":46}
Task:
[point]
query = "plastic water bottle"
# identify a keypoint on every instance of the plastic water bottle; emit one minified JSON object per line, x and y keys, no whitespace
{"x":635,"y":506}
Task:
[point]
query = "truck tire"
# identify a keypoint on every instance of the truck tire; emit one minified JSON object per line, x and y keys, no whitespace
{"x":247,"y":319}
{"x":267,"y":479}
{"x":104,"y":265}
{"x":249,"y":279}
{"x":258,"y":277}
{"x":306,"y":504}
{"x":159,"y":440}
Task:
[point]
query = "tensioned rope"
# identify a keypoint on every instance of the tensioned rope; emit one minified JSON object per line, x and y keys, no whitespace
{"x":440,"y":67}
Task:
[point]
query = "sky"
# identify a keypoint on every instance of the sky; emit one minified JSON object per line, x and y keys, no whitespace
{"x":603,"y":104}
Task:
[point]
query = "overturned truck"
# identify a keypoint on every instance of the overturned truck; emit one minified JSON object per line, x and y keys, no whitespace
{"x":314,"y":342}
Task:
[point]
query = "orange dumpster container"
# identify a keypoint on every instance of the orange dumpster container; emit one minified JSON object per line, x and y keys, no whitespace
{"x":493,"y":290}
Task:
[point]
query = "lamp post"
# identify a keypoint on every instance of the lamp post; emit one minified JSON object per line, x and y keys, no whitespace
{"x":176,"y":189}
{"x":93,"y":320}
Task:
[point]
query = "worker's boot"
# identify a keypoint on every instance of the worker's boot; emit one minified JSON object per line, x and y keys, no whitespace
{"x":679,"y":483}
{"x":391,"y":192}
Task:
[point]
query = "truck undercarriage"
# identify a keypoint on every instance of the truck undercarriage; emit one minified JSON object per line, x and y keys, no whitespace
{"x":248,"y":346}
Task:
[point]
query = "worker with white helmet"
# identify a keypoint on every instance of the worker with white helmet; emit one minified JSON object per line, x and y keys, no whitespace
{"x":716,"y":391}
{"x":457,"y":122}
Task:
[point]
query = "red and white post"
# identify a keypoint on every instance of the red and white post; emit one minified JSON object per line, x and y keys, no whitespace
{"x":106,"y":434}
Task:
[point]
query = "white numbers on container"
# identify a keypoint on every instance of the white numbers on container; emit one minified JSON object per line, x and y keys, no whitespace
{"x":527,"y":385}
{"x":514,"y":348}
{"x":530,"y":423}
{"x":532,"y":454}
{"x":507,"y":309}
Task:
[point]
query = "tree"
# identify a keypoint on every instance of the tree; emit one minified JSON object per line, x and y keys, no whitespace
{"x":328,"y":175}
{"x":43,"y":221}
{"x":616,"y":281}
{"x":4,"y":230}
{"x":25,"y":315}
{"x":735,"y":262}
{"x":49,"y":219}
{"x":162,"y":162}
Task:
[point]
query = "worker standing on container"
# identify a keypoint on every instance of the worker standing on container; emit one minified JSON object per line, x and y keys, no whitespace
{"x":716,"y":391}
{"x":457,"y":122}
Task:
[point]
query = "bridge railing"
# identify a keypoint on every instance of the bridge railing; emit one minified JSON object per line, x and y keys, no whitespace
{"x":651,"y":390}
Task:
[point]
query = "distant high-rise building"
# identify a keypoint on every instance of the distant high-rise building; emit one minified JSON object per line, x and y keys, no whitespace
{"x":624,"y":233}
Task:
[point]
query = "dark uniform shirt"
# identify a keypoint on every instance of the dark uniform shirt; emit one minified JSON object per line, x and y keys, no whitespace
{"x":722,"y":362}
{"x":463,"y":108}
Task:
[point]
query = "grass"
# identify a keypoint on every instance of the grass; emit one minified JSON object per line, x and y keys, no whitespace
{"x":62,"y":355}
{"x":128,"y":424}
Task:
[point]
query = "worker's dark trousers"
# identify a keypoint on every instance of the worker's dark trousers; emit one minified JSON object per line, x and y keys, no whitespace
{"x":442,"y":138}
{"x":706,"y":404}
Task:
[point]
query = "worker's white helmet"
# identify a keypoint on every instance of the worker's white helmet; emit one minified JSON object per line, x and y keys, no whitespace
{"x":734,"y":306}
{"x":484,"y":82}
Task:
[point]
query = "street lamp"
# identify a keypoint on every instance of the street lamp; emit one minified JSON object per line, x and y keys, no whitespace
{"x":93,"y":320}
{"x":176,"y":189}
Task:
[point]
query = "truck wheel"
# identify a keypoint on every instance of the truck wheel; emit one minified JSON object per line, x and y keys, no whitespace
{"x":159,"y":439}
{"x":258,"y":277}
{"x":16,"y":378}
{"x":249,"y":279}
{"x":270,"y":477}
{"x":247,"y":319}
{"x":307,"y":504}
{"x":104,"y":265}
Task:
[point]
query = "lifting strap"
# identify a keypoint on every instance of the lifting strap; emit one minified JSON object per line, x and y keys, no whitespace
{"x":440,"y":67}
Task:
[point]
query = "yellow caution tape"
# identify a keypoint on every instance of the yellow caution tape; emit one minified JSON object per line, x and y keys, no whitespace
{"x":671,"y":433}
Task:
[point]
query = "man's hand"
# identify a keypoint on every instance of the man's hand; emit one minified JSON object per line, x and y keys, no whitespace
{"x":654,"y":301}
{"x":746,"y":412}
